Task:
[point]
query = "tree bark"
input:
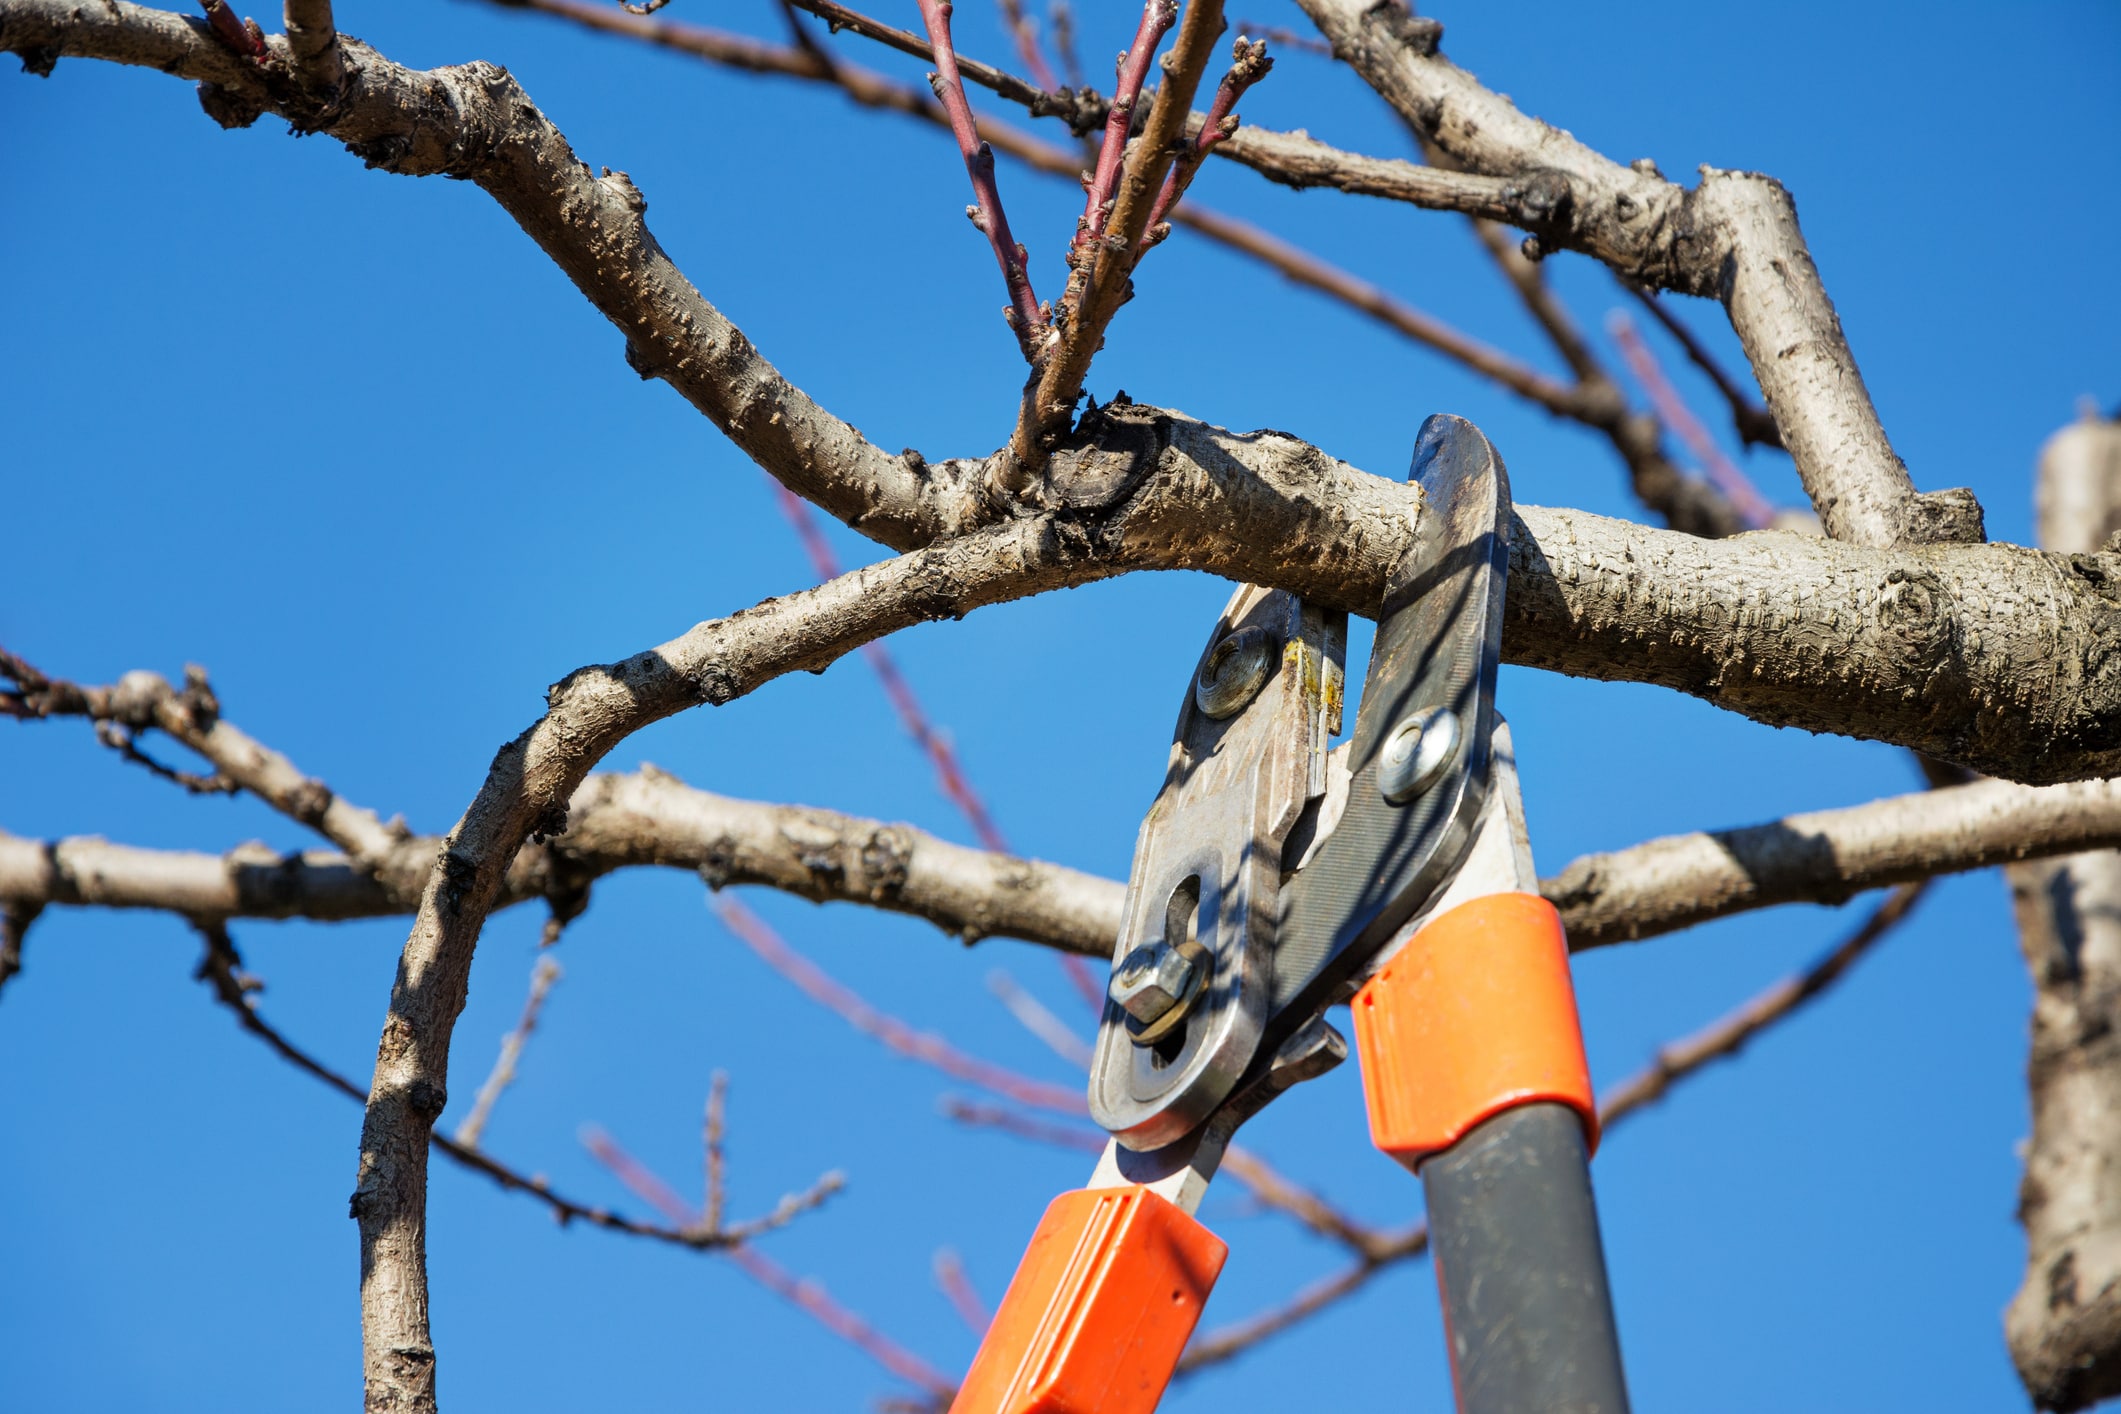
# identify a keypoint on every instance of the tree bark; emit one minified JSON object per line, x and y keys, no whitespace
{"x":2064,"y":1325}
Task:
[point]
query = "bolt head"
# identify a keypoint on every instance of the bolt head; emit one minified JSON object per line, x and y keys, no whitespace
{"x":1152,"y":980}
{"x":1416,"y":752}
{"x":1233,"y":672}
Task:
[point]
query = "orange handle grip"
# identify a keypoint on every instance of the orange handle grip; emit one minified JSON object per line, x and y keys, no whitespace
{"x":1102,"y":1304}
{"x":1475,"y":1015}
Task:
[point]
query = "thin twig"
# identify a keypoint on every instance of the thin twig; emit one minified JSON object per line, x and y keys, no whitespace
{"x":222,"y":969}
{"x":1287,"y":38}
{"x":978,"y":1114}
{"x":1028,"y":320}
{"x":15,"y":918}
{"x":923,"y":1046}
{"x":1735,"y":484}
{"x":542,"y":976}
{"x":1728,"y":1035}
{"x":1133,"y":70}
{"x":1024,"y":30}
{"x":712,"y":1130}
{"x":1100,"y":278}
{"x":1033,"y":1016}
{"x":806,"y":1293}
{"x":957,"y":1288}
{"x":1274,"y":1189}
{"x":933,"y":743}
{"x":1248,"y":65}
{"x":1063,"y":23}
{"x":1750,"y":418}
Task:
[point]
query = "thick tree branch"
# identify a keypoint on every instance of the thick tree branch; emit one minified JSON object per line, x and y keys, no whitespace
{"x":1826,"y":856}
{"x":1733,"y":238}
{"x":652,"y":819}
{"x":613,"y":822}
{"x":526,"y":793}
{"x":2064,"y":1325}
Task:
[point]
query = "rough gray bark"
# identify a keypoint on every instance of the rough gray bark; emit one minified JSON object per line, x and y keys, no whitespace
{"x":651,"y":818}
{"x":1825,"y":856}
{"x":1940,"y":651}
{"x":526,"y":793}
{"x":2064,"y":1325}
{"x":1995,"y":657}
{"x":1734,"y":238}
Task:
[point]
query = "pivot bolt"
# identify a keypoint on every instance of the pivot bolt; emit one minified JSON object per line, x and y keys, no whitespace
{"x":1153,"y":985}
{"x":1416,"y":752}
{"x":1233,"y":673}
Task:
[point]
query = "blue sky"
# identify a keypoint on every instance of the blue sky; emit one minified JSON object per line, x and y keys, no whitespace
{"x":348,"y":440}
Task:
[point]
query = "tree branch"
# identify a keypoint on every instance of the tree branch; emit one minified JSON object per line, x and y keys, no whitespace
{"x":142,"y":700}
{"x":525,"y":794}
{"x":221,"y":968}
{"x":652,"y":819}
{"x":314,"y":42}
{"x":1826,"y":856}
{"x":1734,"y":238}
{"x":2064,"y":1324}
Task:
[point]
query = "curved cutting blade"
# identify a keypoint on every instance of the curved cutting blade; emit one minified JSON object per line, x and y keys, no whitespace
{"x":1439,"y":638}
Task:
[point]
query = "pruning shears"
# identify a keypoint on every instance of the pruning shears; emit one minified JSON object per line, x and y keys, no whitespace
{"x":1273,"y":879}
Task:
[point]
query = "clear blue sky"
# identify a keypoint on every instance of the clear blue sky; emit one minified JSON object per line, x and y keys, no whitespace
{"x":351,"y":442}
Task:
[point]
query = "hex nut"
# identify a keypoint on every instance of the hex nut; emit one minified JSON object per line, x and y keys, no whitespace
{"x":1152,"y":980}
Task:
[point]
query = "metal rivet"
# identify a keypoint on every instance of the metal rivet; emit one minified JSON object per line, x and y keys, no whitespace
{"x":1416,"y":752}
{"x":1235,"y":670}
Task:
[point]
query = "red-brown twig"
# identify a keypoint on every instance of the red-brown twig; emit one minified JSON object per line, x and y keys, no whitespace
{"x":1027,"y":318}
{"x":542,"y":976}
{"x":1274,"y":1189}
{"x":933,"y":743}
{"x":923,"y":1046}
{"x":1288,"y":38}
{"x":237,"y":36}
{"x":957,"y":1288}
{"x":805,"y":1293}
{"x":1133,"y":68}
{"x":1064,"y":43}
{"x":1033,"y":1016}
{"x":1248,"y":65}
{"x":1024,"y":30}
{"x":222,"y":969}
{"x":714,"y":1185}
{"x":1736,"y":486}
{"x":1750,"y":418}
{"x":808,"y":1295}
{"x":980,"y":1115}
{"x":1099,"y":281}
{"x":702,"y":1226}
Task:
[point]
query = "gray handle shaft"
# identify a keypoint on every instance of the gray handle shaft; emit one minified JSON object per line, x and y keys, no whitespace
{"x":1514,"y":1232}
